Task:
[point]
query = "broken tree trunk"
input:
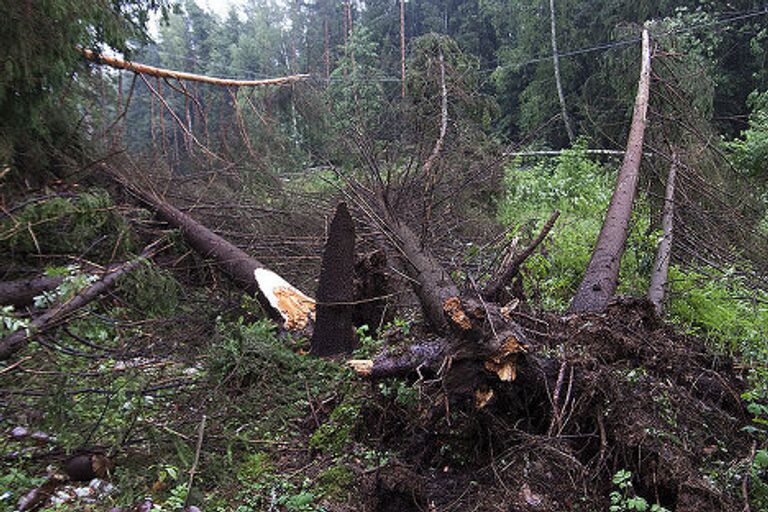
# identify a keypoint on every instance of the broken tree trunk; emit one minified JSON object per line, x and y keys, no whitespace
{"x":58,"y":312}
{"x":281,"y":300}
{"x":602,"y":275}
{"x":657,"y":288}
{"x":333,"y":332}
{"x":511,"y":269}
{"x":556,"y":64}
{"x":143,"y":69}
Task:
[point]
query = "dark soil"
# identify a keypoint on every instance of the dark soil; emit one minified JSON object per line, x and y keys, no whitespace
{"x":633,"y":395}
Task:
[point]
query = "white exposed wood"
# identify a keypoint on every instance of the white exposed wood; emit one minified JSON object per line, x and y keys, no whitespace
{"x":295,"y":307}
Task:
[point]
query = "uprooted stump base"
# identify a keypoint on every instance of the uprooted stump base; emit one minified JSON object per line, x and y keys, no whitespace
{"x":601,"y":393}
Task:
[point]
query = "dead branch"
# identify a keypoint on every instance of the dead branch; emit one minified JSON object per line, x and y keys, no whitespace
{"x":508,"y":272}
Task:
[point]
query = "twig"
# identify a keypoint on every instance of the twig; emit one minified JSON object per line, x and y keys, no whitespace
{"x":193,"y":469}
{"x":747,"y":476}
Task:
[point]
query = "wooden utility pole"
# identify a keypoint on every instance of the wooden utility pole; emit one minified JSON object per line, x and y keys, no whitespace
{"x":556,"y":62}
{"x":660,"y":275}
{"x":602,"y":275}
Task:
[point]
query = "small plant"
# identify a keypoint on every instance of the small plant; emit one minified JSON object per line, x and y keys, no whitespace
{"x":9,"y":322}
{"x":624,"y":499}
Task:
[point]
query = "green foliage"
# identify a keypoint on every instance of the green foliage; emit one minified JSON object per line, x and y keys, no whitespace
{"x":10,"y":322}
{"x":721,"y":307}
{"x":248,"y":359}
{"x":86,"y":225}
{"x":581,"y":189}
{"x":355,"y":94}
{"x":333,"y":435}
{"x":335,"y":482}
{"x":751,"y":151}
{"x":624,"y":498}
{"x":151,"y":290}
{"x":39,"y":51}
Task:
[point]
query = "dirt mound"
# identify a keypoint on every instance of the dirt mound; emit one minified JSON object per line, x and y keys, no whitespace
{"x":611,"y":393}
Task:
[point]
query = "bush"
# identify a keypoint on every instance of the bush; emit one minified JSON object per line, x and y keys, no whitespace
{"x":581,"y":189}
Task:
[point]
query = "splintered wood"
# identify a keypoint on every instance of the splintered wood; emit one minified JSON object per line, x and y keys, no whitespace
{"x":295,"y":308}
{"x":504,"y":361}
{"x":453,"y":308}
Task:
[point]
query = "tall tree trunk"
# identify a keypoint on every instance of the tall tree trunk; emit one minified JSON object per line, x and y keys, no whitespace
{"x":602,"y":275}
{"x":327,"y":52}
{"x":556,"y":62}
{"x":402,"y":46}
{"x":657,"y":288}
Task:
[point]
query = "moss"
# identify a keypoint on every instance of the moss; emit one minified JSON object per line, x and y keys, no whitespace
{"x":335,"y":482}
{"x":334,"y":434}
{"x":255,"y":467}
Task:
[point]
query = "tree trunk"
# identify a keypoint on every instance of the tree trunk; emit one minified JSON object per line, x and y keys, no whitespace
{"x":181,"y":75}
{"x":657,"y":288}
{"x":402,"y":46}
{"x":14,"y":342}
{"x":333,"y":333}
{"x":602,"y":275}
{"x":281,"y":300}
{"x":556,"y":63}
{"x":23,"y":291}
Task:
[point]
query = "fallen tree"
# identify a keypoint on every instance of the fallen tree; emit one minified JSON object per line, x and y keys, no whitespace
{"x":144,"y":69}
{"x":281,"y":300}
{"x":660,"y":274}
{"x":54,"y":316}
{"x":22,"y":292}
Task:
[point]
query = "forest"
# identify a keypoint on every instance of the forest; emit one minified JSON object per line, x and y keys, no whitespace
{"x":383,"y":255}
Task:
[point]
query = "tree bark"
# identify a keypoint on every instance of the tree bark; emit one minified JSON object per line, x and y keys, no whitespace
{"x":657,"y":288}
{"x":15,"y":341}
{"x":402,"y":46}
{"x":333,"y":333}
{"x":556,"y":64}
{"x":602,"y":275}
{"x":23,"y":291}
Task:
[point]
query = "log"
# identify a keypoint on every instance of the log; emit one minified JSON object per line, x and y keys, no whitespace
{"x":660,"y":274}
{"x":22,"y":292}
{"x":602,"y":275}
{"x":511,"y":269}
{"x":281,"y":300}
{"x":51,"y":318}
{"x":144,"y":69}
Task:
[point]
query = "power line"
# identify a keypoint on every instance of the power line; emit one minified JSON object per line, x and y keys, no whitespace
{"x":608,"y":45}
